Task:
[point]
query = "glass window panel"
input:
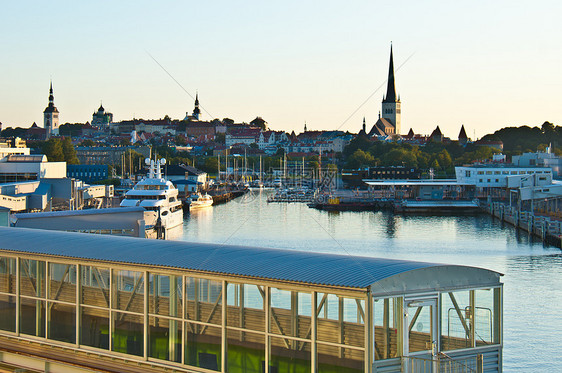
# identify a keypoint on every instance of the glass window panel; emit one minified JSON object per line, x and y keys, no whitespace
{"x":245,"y":351}
{"x":203,"y":346}
{"x":62,"y":322}
{"x":204,"y":300}
{"x":7,"y":313}
{"x":94,"y":330}
{"x":456,"y":322}
{"x":128,"y":333}
{"x":245,"y":307}
{"x":340,"y":320}
{"x":62,"y":282}
{"x":164,"y":339}
{"x":290,"y":356}
{"x":32,"y":278}
{"x":290,"y":313}
{"x":32,"y":317}
{"x":334,"y":359}
{"x":129,"y":291}
{"x":388,"y":328}
{"x":419,"y":328}
{"x":328,"y":305}
{"x":486,"y":316}
{"x":95,"y":286}
{"x":165,"y":295}
{"x":7,"y":275}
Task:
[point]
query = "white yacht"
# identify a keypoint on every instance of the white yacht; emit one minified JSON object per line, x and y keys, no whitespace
{"x":156,"y":194}
{"x":198,"y":200}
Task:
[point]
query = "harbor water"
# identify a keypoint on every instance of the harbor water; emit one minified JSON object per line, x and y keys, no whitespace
{"x":532,"y":272}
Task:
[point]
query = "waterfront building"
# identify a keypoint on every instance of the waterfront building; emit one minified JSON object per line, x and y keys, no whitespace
{"x":15,"y":168}
{"x":186,"y":178}
{"x":88,"y":173}
{"x":544,"y":159}
{"x":12,"y":146}
{"x":502,"y":175}
{"x":122,"y":304}
{"x":51,"y":116}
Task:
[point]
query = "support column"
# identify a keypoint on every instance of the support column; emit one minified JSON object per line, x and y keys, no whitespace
{"x":223,"y":323}
{"x":145,"y":339}
{"x":369,"y":333}
{"x":313,"y":327}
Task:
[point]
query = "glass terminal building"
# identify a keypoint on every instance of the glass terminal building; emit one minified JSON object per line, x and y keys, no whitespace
{"x":121,"y":304}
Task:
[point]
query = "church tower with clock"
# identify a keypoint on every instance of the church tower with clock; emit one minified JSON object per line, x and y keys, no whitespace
{"x":51,"y":116}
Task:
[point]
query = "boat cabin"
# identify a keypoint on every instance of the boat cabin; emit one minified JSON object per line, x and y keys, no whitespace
{"x":77,"y":301}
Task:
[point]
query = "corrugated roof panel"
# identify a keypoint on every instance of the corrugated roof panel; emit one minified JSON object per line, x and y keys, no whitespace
{"x":274,"y":264}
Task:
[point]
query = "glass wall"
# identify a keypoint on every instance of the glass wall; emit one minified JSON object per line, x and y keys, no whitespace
{"x":61,"y":305}
{"x":470,"y":318}
{"x":290,"y":323}
{"x":8,"y":300}
{"x":185,"y":320}
{"x":340,"y":333}
{"x":128,"y":322}
{"x":387,"y":319}
{"x":456,"y":321}
{"x":32,"y":297}
{"x":95,"y":306}
{"x":245,"y":335}
{"x":165,"y":308}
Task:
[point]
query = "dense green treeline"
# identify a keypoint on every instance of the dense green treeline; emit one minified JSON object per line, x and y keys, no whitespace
{"x":362,"y":152}
{"x":57,"y":149}
{"x":441,"y":157}
{"x":524,"y":139}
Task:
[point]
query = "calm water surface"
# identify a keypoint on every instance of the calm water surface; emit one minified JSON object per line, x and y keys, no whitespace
{"x":533,"y":272}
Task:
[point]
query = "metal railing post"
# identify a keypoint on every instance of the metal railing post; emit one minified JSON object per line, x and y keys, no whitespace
{"x":479,"y":363}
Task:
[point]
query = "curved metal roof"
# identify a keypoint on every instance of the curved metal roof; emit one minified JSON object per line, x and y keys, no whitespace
{"x":264,"y":263}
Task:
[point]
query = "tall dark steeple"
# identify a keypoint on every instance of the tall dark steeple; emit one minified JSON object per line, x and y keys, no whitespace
{"x":196,"y":110}
{"x":390,"y":86}
{"x":51,"y":96}
{"x":391,"y":106}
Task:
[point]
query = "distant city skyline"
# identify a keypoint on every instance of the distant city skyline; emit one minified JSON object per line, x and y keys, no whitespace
{"x":487,"y":65}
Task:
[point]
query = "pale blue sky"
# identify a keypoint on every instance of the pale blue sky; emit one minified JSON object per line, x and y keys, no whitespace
{"x":483,"y":64}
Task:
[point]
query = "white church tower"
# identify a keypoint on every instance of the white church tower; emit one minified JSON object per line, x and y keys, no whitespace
{"x":51,"y":116}
{"x":391,"y":104}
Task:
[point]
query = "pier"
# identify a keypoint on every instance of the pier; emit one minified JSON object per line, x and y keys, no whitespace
{"x":544,"y":224}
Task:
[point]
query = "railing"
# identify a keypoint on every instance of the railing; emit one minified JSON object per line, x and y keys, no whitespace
{"x":442,"y":364}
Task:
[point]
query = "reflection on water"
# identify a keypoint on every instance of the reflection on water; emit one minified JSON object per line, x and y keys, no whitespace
{"x":532,"y":272}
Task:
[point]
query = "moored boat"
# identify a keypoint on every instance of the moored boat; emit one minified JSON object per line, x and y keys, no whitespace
{"x":198,"y":200}
{"x":158,"y":195}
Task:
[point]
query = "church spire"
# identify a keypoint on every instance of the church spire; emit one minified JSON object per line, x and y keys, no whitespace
{"x":364,"y":125}
{"x":196,"y":111}
{"x":51,"y":96}
{"x":390,"y":87}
